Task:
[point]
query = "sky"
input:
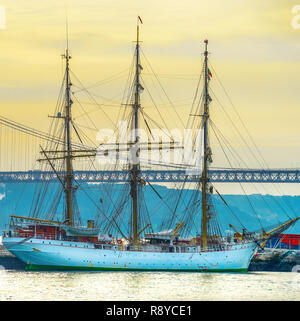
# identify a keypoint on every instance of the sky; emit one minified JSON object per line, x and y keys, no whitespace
{"x":254,"y":50}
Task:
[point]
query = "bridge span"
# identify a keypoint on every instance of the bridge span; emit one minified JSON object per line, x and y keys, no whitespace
{"x":162,"y":176}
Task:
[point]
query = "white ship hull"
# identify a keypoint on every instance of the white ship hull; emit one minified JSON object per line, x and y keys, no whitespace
{"x":41,"y":254}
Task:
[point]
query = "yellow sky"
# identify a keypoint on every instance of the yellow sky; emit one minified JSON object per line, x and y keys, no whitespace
{"x":254,"y":50}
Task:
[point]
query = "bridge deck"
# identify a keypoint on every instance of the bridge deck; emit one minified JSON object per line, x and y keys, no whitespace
{"x":225,"y":176}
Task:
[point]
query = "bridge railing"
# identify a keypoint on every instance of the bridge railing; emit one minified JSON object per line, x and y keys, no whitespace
{"x":163,"y":176}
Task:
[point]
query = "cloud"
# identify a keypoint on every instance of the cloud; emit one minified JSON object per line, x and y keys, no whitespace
{"x":253,"y":48}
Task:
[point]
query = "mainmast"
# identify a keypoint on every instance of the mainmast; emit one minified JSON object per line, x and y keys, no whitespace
{"x":135,"y":170}
{"x":68,"y":156}
{"x":207,"y":154}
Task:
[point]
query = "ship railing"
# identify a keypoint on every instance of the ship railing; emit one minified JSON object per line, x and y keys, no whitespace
{"x":46,"y":236}
{"x":6,"y":233}
{"x":19,"y":231}
{"x":9,"y":233}
{"x":189,"y":249}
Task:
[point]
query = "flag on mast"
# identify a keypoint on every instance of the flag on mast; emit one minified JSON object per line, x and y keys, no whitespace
{"x":209,"y":73}
{"x":140,"y":19}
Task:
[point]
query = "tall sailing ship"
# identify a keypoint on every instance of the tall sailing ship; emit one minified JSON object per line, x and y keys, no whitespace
{"x":65,"y":244}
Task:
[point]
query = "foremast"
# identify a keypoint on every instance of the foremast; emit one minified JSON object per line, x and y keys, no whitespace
{"x":206,"y":154}
{"x":135,"y":167}
{"x":67,"y":180}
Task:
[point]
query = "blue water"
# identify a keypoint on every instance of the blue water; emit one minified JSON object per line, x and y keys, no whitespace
{"x":139,"y":286}
{"x":158,"y":286}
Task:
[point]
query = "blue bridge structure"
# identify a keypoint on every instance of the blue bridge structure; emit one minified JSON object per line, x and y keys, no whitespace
{"x":162,"y":176}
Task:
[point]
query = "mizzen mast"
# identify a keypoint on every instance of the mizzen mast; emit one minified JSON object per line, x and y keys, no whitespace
{"x":207,"y":153}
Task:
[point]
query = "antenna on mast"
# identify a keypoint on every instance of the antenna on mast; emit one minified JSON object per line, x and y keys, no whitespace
{"x":67,"y":29}
{"x":67,"y":32}
{"x":139,"y":20}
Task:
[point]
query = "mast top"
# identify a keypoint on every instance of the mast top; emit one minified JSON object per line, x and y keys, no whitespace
{"x":67,"y":54}
{"x":206,"y":43}
{"x":139,"y":20}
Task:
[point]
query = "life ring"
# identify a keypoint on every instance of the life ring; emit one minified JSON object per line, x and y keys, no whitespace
{"x":119,"y":242}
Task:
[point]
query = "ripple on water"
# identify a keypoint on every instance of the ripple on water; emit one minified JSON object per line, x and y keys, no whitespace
{"x":158,"y":286}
